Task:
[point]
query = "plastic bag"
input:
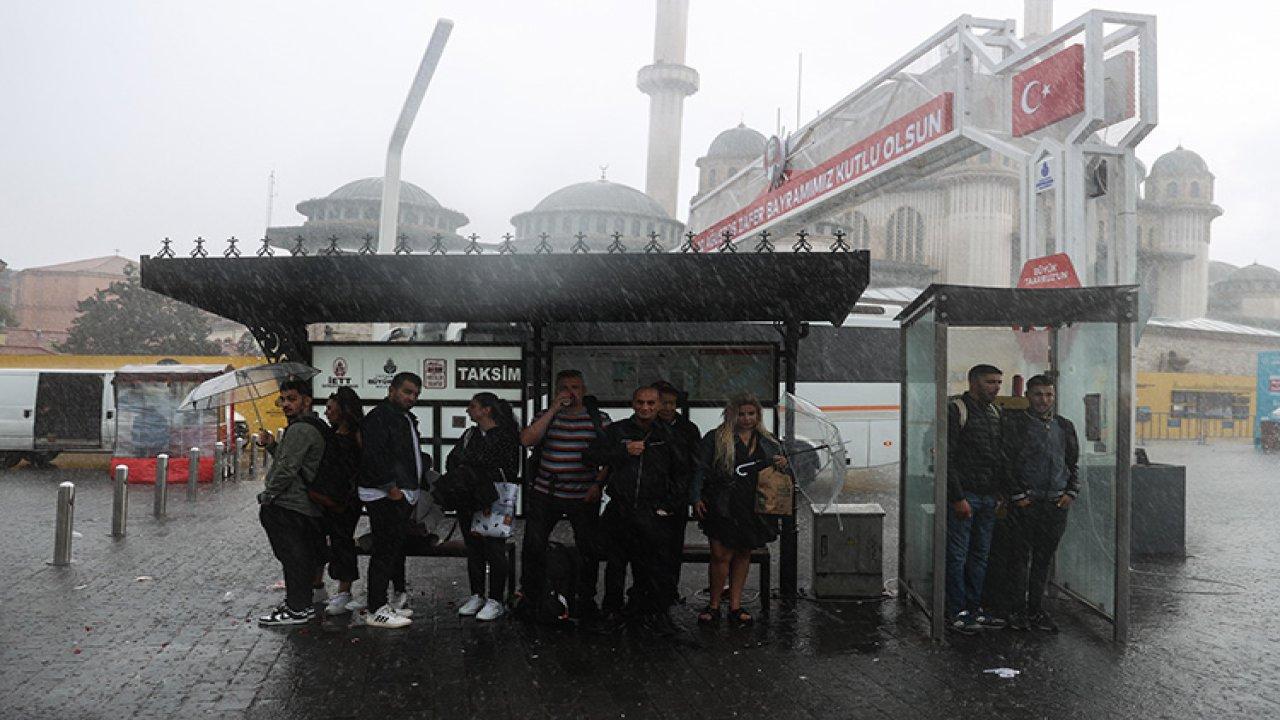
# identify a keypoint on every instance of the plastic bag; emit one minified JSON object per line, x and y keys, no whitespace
{"x":499,"y":520}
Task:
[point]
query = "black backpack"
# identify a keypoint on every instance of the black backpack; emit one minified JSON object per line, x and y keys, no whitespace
{"x":560,"y":591}
{"x":335,"y":480}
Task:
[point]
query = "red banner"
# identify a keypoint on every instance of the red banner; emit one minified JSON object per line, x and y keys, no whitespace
{"x":1049,"y":91}
{"x":897,"y":141}
{"x":1051,"y":271}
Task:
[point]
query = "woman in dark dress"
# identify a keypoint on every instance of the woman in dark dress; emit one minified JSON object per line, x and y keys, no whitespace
{"x":725,"y":500}
{"x":492,"y":448}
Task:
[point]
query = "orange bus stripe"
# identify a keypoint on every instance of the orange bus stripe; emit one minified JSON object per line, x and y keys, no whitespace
{"x":848,"y":408}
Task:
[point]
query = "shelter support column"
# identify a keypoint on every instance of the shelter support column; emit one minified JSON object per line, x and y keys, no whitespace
{"x":792,"y":332}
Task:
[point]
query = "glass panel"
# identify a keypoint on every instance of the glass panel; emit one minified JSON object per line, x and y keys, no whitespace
{"x":1015,"y":352}
{"x":921,"y":420}
{"x":1087,"y":396}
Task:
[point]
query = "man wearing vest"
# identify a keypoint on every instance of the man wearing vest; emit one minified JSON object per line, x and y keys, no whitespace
{"x":1043,"y":472}
{"x":288,"y":515}
{"x":390,"y":472}
{"x":563,"y":486}
{"x":975,"y":474}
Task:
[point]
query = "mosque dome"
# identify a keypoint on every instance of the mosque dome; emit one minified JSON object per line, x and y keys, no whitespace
{"x":1179,"y":162}
{"x":371,"y":189}
{"x":601,"y":196}
{"x":737,"y":142}
{"x":1255,"y":273}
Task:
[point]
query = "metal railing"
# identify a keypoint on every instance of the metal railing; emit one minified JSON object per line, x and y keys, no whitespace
{"x":1170,"y":426}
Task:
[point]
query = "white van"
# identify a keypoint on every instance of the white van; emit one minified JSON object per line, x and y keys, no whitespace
{"x":47,"y":412}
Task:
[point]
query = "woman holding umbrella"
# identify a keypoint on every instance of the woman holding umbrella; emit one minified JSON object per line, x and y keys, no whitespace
{"x":724,"y":494}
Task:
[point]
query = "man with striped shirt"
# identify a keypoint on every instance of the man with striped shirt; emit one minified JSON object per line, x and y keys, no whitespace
{"x":564,"y":487}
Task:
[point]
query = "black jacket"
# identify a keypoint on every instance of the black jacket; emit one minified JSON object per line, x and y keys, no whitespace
{"x":655,"y":479}
{"x":975,"y":454}
{"x":687,"y":437}
{"x":491,"y":452}
{"x":1014,"y":432}
{"x":389,"y":457}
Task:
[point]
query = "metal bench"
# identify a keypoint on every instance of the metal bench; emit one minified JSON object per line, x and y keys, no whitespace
{"x":421,"y":546}
{"x":701,"y":553}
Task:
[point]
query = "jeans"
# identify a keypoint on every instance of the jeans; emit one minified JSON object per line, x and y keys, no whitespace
{"x":485,"y":552}
{"x":389,"y":522}
{"x":541,"y":515}
{"x":295,"y":540}
{"x":1040,"y":526}
{"x":968,"y":544}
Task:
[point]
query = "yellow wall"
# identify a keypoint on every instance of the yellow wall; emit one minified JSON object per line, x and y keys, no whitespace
{"x":271,"y":415}
{"x":1155,"y":391}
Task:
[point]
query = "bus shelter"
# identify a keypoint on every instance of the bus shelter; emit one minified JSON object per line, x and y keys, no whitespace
{"x":1083,"y":336}
{"x":585,"y":294}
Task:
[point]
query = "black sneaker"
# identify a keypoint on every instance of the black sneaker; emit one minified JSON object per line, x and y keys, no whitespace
{"x":282,"y":615}
{"x":1018,"y":621}
{"x":989,"y":620}
{"x":611,"y":622}
{"x":1044,"y":621}
{"x":964,"y":624}
{"x":660,"y":624}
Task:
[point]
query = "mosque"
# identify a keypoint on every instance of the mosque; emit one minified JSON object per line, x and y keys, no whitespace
{"x":1207,"y":317}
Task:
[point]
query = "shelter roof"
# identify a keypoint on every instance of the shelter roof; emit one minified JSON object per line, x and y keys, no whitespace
{"x":654,"y":287}
{"x":966,"y":305}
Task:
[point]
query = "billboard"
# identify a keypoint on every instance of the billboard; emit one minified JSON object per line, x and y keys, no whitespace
{"x":1268,"y":395}
{"x":449,"y":371}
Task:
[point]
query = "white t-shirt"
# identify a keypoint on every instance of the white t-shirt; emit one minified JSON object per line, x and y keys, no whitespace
{"x":373,"y":494}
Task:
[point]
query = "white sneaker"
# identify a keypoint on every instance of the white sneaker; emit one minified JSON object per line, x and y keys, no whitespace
{"x":471,"y":606}
{"x":338,"y":604}
{"x":399,"y":601}
{"x":492,"y":610}
{"x":357,"y":604}
{"x":385,"y":617}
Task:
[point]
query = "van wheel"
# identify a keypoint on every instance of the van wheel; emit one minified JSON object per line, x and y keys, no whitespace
{"x":42,"y":460}
{"x":9,"y":459}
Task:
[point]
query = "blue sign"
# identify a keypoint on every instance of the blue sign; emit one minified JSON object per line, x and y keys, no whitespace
{"x":1268,"y":397}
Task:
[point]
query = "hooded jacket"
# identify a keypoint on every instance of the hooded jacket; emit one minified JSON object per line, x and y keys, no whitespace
{"x":655,"y":479}
{"x":295,"y":462}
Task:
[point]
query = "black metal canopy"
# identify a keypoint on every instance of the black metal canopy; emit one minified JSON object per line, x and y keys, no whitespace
{"x":981,"y":306}
{"x":658,"y":287}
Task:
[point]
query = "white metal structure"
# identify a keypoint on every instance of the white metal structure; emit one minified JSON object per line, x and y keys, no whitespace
{"x":952,"y":97}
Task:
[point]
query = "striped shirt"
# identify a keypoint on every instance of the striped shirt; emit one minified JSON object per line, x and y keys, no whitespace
{"x":561,"y":473}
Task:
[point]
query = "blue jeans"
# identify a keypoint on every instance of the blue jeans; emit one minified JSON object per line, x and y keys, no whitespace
{"x":968,"y":543}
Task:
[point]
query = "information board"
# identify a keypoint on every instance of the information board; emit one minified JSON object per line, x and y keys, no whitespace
{"x":710,"y":374}
{"x":449,"y":371}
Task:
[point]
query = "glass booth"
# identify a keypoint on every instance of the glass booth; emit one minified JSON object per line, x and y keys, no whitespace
{"x":150,"y":421}
{"x":1084,"y":336}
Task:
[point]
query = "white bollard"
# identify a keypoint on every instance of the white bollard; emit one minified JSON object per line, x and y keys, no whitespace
{"x":162,"y":486}
{"x":65,"y":517}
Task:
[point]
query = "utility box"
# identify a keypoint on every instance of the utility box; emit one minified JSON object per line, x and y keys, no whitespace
{"x":848,"y":550}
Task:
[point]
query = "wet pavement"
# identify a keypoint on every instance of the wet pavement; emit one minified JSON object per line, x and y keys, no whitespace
{"x":160,"y":624}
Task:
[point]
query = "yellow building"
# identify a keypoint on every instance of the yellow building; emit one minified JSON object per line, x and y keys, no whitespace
{"x":1191,"y":406}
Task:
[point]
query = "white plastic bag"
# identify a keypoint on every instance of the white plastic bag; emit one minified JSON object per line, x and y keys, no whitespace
{"x":499,"y":520}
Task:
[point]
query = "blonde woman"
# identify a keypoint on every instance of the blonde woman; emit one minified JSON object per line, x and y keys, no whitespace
{"x":724,"y":495}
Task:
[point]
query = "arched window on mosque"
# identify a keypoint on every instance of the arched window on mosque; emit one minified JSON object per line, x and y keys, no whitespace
{"x":711,"y":177}
{"x":1195,"y":189}
{"x":600,"y":224}
{"x":904,"y":236}
{"x":635,"y":228}
{"x":1171,"y":190}
{"x":567,"y":225}
{"x":859,"y":229}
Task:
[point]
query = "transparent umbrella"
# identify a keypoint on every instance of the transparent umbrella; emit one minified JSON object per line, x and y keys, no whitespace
{"x":245,"y":385}
{"x":815,"y":450}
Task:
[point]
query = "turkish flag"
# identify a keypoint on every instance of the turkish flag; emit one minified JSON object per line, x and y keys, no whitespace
{"x":1049,"y":91}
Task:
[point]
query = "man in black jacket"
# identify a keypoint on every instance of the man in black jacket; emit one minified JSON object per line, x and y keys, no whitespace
{"x":1043,"y":480}
{"x":647,"y":473}
{"x":687,"y":436}
{"x":975,"y":473}
{"x":390,"y":471}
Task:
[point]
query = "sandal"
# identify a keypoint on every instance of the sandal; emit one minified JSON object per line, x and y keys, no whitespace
{"x":709,"y":615}
{"x":741,"y":617}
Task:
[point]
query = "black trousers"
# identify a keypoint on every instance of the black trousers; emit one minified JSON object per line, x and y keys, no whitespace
{"x":295,"y":540}
{"x":642,"y":541}
{"x":485,"y":552}
{"x":997,"y":587}
{"x":542,"y":513}
{"x":673,"y":529}
{"x":339,"y":529}
{"x":389,"y":523}
{"x":1039,"y":528}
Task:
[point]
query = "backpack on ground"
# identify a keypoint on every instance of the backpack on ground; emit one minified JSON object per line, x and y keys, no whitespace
{"x":560,"y":589}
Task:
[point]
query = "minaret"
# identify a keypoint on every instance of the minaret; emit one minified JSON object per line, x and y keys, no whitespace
{"x":667,"y":82}
{"x":1037,"y":18}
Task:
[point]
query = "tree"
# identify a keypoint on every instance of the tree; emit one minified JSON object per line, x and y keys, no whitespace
{"x":6,"y":316}
{"x":125,"y":319}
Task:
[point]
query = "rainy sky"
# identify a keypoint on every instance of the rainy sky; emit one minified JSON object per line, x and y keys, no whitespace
{"x":125,"y":122}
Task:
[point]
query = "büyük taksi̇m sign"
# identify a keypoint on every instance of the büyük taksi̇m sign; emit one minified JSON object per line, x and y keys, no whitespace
{"x":1049,"y":91}
{"x":894,"y":143}
{"x":1051,"y":271}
